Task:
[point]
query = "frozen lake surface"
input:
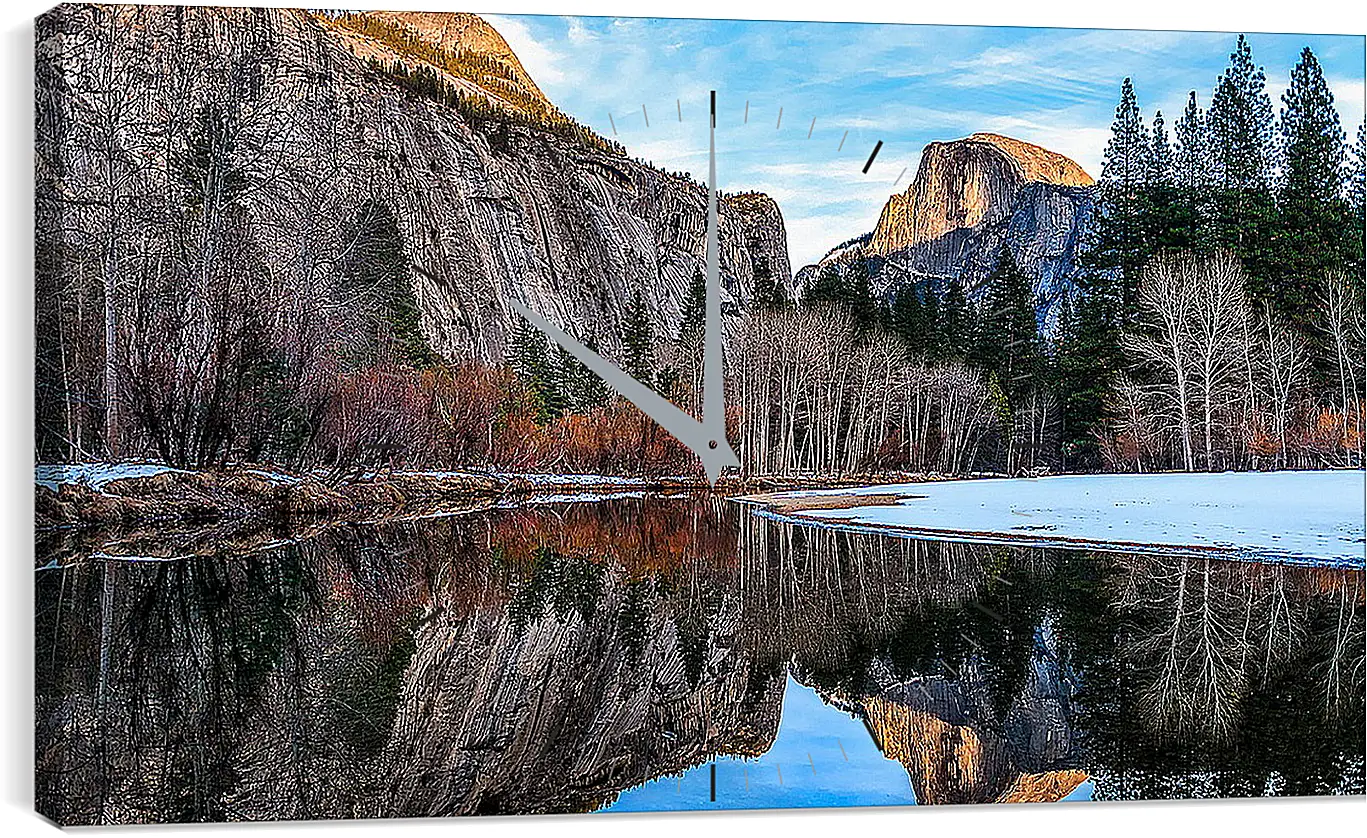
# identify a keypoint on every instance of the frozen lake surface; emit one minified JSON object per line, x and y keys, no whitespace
{"x":1301,"y":516}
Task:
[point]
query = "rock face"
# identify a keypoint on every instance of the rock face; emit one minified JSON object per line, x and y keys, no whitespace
{"x":966,"y":184}
{"x":971,"y":197}
{"x":958,"y":747}
{"x":450,"y":32}
{"x":509,"y":200}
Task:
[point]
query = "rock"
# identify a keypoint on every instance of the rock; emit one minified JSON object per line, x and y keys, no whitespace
{"x":968,"y":199}
{"x":514,"y":200}
{"x":966,"y":184}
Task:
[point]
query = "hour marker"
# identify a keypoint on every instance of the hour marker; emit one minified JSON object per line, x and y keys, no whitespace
{"x":613,"y":123}
{"x":899,"y":176}
{"x":780,"y":119}
{"x":714,"y":782}
{"x":679,"y":105}
{"x":645,"y":115}
{"x":873,"y":155}
{"x":842,"y":141}
{"x":810,"y":129}
{"x":842,"y":749}
{"x":747,"y":111}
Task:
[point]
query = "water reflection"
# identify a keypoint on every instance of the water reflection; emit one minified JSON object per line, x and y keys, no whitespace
{"x":547,"y":658}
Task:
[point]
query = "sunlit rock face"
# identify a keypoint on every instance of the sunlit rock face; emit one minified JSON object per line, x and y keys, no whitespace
{"x":450,"y":32}
{"x":966,"y":184}
{"x":489,"y":201}
{"x":969,"y":199}
{"x":961,"y":743}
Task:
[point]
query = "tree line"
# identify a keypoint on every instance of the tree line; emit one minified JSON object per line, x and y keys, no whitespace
{"x":1219,"y":323}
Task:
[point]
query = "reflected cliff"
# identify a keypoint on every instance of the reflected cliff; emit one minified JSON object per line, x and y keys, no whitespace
{"x":549,"y":658}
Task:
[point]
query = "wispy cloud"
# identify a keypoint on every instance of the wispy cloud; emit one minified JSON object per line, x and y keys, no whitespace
{"x":904,"y":85}
{"x":542,"y":61}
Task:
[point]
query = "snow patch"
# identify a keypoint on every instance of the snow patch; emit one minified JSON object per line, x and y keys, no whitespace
{"x":95,"y":475}
{"x":1300,"y":516}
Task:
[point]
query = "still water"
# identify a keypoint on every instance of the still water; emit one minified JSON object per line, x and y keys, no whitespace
{"x":653,"y":653}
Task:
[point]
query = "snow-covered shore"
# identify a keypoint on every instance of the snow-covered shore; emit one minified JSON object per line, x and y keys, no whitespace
{"x":1300,"y":516}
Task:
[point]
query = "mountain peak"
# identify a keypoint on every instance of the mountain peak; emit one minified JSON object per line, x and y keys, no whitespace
{"x":962,"y":184}
{"x":462,"y":32}
{"x":1039,"y":164}
{"x":462,"y":49}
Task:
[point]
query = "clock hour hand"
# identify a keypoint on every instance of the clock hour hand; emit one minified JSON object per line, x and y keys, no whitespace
{"x":711,"y":449}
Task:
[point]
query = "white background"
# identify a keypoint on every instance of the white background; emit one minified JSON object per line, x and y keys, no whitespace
{"x":1317,"y":817}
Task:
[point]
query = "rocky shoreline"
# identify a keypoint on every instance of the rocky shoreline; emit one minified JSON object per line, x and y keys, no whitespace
{"x":171,"y":497}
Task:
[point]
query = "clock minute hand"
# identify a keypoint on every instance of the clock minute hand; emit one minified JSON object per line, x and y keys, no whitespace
{"x":713,"y":386}
{"x":685,"y":428}
{"x":713,"y":405}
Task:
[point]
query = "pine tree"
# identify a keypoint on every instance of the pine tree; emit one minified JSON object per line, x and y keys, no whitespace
{"x":908,"y":320}
{"x":1160,"y":160}
{"x":1192,"y":208}
{"x":1171,"y":217}
{"x":376,"y":279}
{"x":829,"y":287}
{"x":1314,"y":234}
{"x":694,"y":315}
{"x":933,"y":322}
{"x":1357,"y":172}
{"x":528,"y":358}
{"x":573,"y":387}
{"x":863,"y":307}
{"x":1191,"y":157}
{"x":638,"y":342}
{"x":1241,"y":134}
{"x":954,"y":321}
{"x":1129,"y":155}
{"x":1121,"y":241}
{"x":1241,"y":124}
{"x":1086,"y":360}
{"x":1006,"y":342}
{"x":1311,"y":135}
{"x":768,"y":292}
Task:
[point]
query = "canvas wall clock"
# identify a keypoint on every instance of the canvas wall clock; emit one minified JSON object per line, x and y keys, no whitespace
{"x":442,"y":414}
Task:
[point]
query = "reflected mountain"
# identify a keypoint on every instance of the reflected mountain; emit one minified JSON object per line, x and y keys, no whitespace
{"x":547,"y":658}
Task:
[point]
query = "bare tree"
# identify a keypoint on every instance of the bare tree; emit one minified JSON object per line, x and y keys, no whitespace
{"x":1344,"y":325}
{"x":1219,"y":311}
{"x":1284,"y":363}
{"x":1163,"y":345}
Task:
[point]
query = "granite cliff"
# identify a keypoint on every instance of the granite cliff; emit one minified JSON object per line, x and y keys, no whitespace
{"x":496,"y":192}
{"x":971,"y":197}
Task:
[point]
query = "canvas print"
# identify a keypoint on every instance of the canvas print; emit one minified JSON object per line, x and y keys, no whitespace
{"x":448,"y":414}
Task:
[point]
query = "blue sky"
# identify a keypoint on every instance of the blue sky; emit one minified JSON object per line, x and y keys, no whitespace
{"x":821,"y":757}
{"x":905,"y":85}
